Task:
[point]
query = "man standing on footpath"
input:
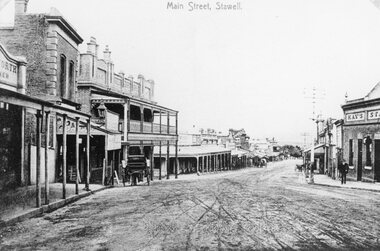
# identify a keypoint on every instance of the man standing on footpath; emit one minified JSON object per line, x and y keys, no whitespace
{"x":343,"y":171}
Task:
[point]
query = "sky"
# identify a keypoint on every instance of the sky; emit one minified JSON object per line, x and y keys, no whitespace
{"x":253,"y":68}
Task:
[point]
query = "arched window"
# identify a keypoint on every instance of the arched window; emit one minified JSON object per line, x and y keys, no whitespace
{"x":62,"y":76}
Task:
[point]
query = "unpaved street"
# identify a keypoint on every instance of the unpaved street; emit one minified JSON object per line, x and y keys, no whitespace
{"x":251,"y":209}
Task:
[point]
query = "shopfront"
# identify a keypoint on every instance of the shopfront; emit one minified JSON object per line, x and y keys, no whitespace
{"x":361,"y":137}
{"x":12,"y":80}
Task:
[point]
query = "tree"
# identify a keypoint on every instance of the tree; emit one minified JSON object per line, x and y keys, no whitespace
{"x":294,"y":151}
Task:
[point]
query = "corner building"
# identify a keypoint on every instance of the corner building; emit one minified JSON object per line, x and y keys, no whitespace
{"x":361,"y":136}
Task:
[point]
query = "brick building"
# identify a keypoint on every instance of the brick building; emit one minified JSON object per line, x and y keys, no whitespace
{"x":361,"y":136}
{"x":125,"y":113}
{"x":50,"y":46}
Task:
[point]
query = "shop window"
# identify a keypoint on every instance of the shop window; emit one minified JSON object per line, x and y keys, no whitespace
{"x":62,"y":76}
{"x":351,"y":153}
{"x":368,"y":150}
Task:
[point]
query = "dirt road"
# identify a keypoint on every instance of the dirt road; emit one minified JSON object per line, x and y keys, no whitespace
{"x":251,"y":209}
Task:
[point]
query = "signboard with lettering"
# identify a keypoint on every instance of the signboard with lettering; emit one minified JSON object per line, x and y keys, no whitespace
{"x":373,"y":114}
{"x":8,"y":70}
{"x":71,"y":128}
{"x":355,"y":116}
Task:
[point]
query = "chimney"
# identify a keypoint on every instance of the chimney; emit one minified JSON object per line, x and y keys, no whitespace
{"x":107,"y":54}
{"x":21,"y":6}
{"x":92,"y":47}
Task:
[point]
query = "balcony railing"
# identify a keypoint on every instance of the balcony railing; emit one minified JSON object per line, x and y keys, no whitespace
{"x":135,"y":126}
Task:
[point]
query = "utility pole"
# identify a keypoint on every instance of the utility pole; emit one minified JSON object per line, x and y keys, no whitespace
{"x":304,"y":135}
{"x":316,"y":94}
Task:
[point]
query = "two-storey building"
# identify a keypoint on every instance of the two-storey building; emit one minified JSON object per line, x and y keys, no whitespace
{"x":361,"y":136}
{"x":128,"y":119}
{"x":45,"y":103}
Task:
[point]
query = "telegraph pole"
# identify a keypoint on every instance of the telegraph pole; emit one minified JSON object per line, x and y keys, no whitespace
{"x":317,"y":94}
{"x":304,"y":135}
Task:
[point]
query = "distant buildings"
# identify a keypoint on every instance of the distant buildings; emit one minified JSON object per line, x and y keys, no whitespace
{"x":199,"y":152}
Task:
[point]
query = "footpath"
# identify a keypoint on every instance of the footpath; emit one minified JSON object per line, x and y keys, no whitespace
{"x":324,"y":180}
{"x":20,"y":204}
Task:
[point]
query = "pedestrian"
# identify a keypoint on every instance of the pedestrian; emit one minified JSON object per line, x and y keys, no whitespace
{"x":343,"y":171}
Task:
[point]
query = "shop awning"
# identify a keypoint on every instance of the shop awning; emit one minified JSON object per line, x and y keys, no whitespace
{"x":192,"y":151}
{"x":318,"y":149}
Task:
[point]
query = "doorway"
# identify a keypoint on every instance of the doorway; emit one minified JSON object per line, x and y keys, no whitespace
{"x":360,"y":159}
{"x":377,"y":160}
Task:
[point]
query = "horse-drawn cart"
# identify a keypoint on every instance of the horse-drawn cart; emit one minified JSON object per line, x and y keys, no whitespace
{"x":136,"y":169}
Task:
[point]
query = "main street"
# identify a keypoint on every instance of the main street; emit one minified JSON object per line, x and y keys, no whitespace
{"x":254,"y":208}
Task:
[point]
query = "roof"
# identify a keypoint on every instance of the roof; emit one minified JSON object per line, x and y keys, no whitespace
{"x":56,"y":17}
{"x":239,"y":152}
{"x":315,"y":148}
{"x":192,"y":151}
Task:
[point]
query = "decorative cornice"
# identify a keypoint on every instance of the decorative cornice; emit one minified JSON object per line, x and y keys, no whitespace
{"x":61,"y":22}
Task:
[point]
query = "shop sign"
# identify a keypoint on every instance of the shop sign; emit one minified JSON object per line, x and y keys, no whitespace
{"x":373,"y":114}
{"x":8,"y":70}
{"x":355,"y":116}
{"x":114,"y":141}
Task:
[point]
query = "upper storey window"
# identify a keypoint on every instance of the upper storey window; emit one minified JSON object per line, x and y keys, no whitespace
{"x":62,"y":76}
{"x":71,"y":79}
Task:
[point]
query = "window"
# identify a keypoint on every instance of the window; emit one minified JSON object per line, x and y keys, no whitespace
{"x":62,"y":76}
{"x":135,"y":113}
{"x":368,"y":151}
{"x":71,"y":79}
{"x":351,"y":153}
